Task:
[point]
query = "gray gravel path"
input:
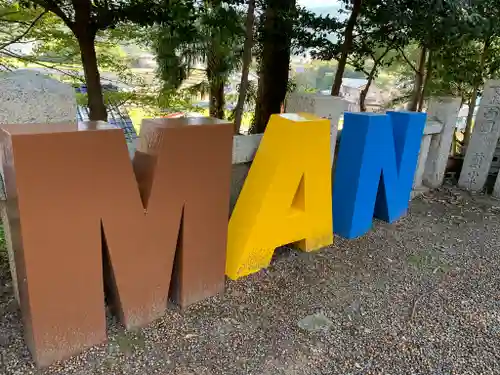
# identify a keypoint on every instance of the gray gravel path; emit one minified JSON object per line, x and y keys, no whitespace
{"x":421,"y":296}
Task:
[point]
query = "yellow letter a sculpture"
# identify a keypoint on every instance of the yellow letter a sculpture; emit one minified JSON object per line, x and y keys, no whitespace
{"x":286,"y":197}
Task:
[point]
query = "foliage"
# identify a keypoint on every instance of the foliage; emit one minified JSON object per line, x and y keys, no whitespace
{"x":376,"y":35}
{"x":105,"y":14}
{"x":55,"y":47}
{"x":208,"y":35}
{"x":180,"y":49}
{"x":86,"y":18}
{"x":432,"y":23}
{"x":20,"y":26}
{"x":318,"y":75}
{"x":213,"y":38}
{"x":375,"y":43}
{"x":313,"y":34}
{"x":455,"y":71}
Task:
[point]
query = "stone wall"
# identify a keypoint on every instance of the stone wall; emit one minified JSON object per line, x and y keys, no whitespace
{"x":31,"y":97}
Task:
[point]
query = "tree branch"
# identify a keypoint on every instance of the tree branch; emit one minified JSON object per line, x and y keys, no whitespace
{"x":52,"y":6}
{"x":63,"y":72}
{"x":408,"y":61}
{"x":14,"y":21}
{"x":27,"y":59}
{"x":386,"y":51}
{"x":6,"y":67}
{"x":28,"y":41}
{"x":19,"y":37}
{"x":8,"y":13}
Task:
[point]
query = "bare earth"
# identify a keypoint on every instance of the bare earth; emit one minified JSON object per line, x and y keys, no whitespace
{"x":421,"y":296}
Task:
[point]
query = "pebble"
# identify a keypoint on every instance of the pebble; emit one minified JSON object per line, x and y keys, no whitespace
{"x":373,"y":305}
{"x":315,"y":323}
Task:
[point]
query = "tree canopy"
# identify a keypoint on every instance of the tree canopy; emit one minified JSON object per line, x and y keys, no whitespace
{"x":85,"y":18}
{"x":430,"y":47}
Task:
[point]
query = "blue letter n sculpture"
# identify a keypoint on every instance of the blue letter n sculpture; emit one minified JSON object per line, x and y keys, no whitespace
{"x":375,"y":167}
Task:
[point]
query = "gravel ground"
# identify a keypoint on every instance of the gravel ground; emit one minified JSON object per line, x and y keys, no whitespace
{"x":420,"y":296}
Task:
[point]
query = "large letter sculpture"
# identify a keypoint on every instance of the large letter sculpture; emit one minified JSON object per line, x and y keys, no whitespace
{"x":73,"y":200}
{"x":286,"y":196}
{"x":375,"y":167}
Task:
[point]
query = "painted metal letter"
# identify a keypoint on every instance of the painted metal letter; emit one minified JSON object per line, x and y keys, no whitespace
{"x":73,"y":200}
{"x":286,"y":197}
{"x":375,"y":167}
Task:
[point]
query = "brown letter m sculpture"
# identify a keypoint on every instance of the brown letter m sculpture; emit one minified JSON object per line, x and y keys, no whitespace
{"x":84,"y":219}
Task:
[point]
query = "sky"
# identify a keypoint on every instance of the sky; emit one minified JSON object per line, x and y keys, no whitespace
{"x":316,"y":3}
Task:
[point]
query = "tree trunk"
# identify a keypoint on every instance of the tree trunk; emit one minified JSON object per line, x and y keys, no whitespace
{"x":428,"y":77}
{"x":472,"y":103}
{"x":470,"y":117}
{"x":419,"y":78}
{"x":253,"y":127}
{"x":217,"y":102}
{"x":247,"y":60}
{"x":215,"y":83}
{"x":371,"y":76}
{"x":364,"y":92}
{"x":97,"y":109}
{"x":275,"y":61}
{"x":346,"y":46}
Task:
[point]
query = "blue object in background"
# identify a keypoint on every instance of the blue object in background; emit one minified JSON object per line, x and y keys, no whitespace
{"x":117,"y":115}
{"x":374,"y":171}
{"x":82,"y":89}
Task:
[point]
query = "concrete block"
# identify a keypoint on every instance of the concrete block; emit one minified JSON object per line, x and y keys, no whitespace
{"x":483,"y":141}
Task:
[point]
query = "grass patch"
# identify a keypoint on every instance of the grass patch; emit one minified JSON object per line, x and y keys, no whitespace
{"x":428,"y":261}
{"x":130,"y":342}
